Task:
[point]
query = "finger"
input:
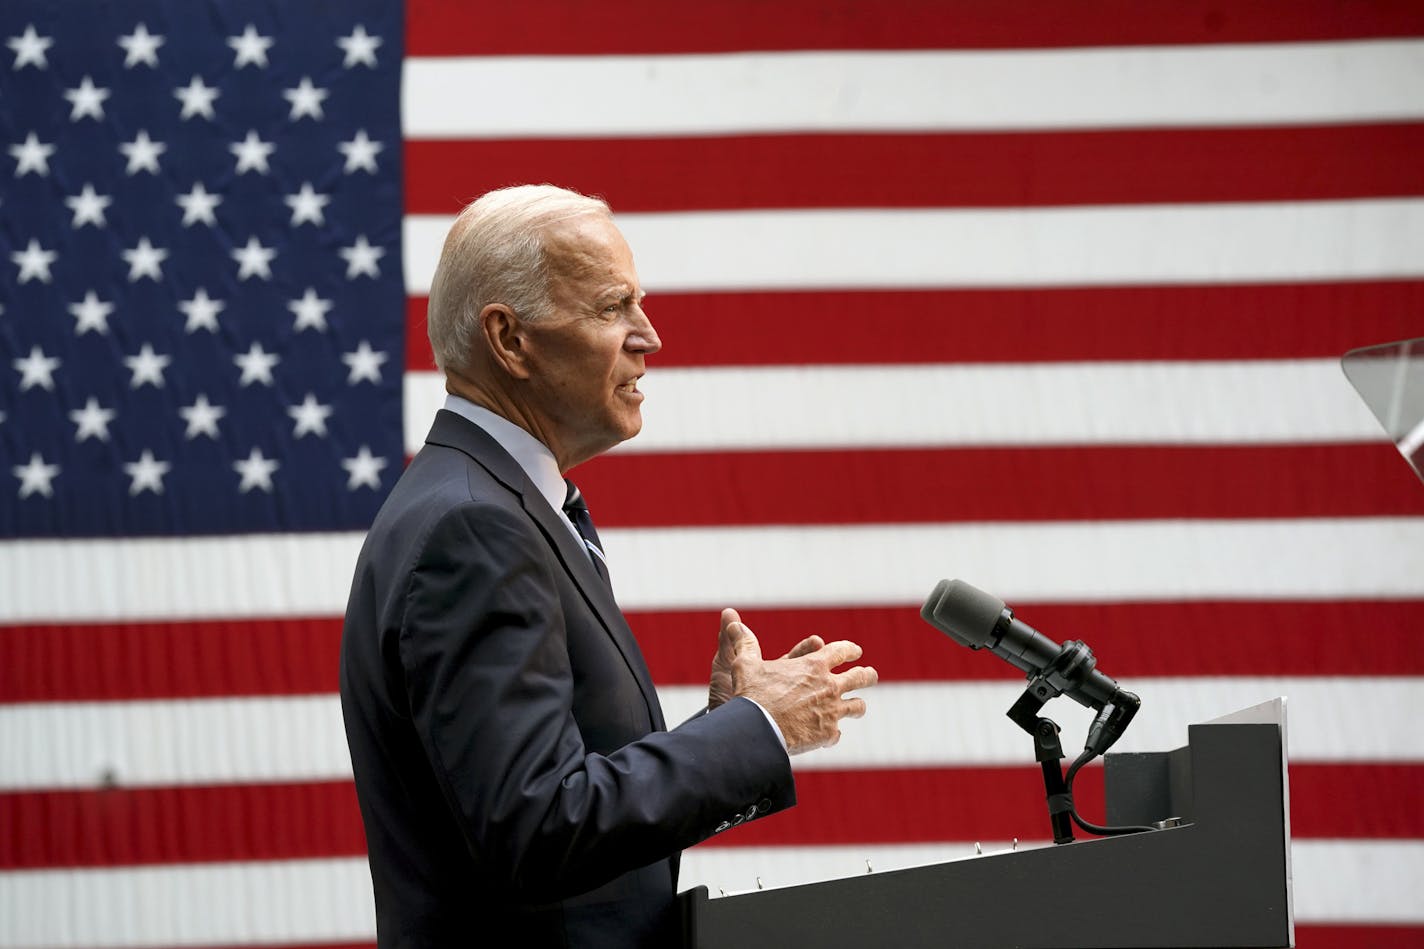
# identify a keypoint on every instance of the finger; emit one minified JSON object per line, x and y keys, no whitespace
{"x":729,"y":616}
{"x":747,"y":644}
{"x":852,"y":708}
{"x":805,"y":647}
{"x":840,"y":652}
{"x":860,"y":677}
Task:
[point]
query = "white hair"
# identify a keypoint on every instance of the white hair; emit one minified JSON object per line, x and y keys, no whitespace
{"x":495,"y":253}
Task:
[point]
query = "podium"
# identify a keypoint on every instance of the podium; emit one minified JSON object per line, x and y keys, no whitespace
{"x":1219,"y":876}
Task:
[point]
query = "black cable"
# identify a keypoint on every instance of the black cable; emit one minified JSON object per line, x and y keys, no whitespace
{"x":1087,"y":827}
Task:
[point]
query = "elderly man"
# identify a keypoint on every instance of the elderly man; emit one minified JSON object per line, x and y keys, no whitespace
{"x":516,"y":779}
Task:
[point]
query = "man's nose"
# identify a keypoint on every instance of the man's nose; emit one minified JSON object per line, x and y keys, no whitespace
{"x":643,"y":338}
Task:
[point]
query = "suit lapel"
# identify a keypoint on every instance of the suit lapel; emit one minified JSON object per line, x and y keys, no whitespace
{"x":453,"y":431}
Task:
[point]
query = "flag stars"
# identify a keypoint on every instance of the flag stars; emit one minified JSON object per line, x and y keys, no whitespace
{"x":146,"y":368}
{"x":202,"y":418}
{"x":31,"y":156}
{"x":36,"y":477}
{"x":359,"y":47}
{"x":364,"y":470}
{"x":310,"y":311}
{"x":92,"y":421}
{"x":142,"y":154}
{"x":360,"y":153}
{"x":145,"y":260}
{"x":140,"y":46}
{"x":256,"y":365}
{"x":202,"y":312}
{"x":197,"y":99}
{"x":88,"y":207}
{"x":254,"y":260}
{"x":307,"y":206}
{"x":249,"y":49}
{"x":364,"y":364}
{"x":34,"y":262}
{"x":256,"y":472}
{"x":362,"y":259}
{"x":305,"y":100}
{"x":146,"y":474}
{"x":198,"y":206}
{"x":91,"y":314}
{"x":36,"y":369}
{"x":86,"y":100}
{"x":252,"y":154}
{"x":29,"y":49}
{"x":309,"y":418}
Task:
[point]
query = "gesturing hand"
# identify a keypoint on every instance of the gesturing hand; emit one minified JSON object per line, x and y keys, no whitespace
{"x":721,"y":688}
{"x":801,"y":692}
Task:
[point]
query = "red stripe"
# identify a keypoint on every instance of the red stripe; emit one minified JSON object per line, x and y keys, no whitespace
{"x":957,"y":485}
{"x":1100,"y":324}
{"x":295,"y":821}
{"x":1001,"y":169}
{"x":1360,"y":936}
{"x":570,"y":27}
{"x":116,"y":662}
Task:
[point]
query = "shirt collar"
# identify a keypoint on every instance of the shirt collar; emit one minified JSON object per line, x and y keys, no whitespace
{"x":527,"y":451}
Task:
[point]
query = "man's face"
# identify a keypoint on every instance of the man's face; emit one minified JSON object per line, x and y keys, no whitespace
{"x":587,"y":355}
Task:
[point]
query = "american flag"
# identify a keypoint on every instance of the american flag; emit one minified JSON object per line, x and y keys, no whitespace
{"x":1045,"y":296}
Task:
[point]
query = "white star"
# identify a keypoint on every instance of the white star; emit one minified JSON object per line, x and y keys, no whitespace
{"x":309,"y":417}
{"x":202,"y":418}
{"x":36,"y":476}
{"x":250,"y":47}
{"x":359,"y":48}
{"x":36,"y":369}
{"x":256,"y":365}
{"x":256,"y":472}
{"x":360,"y":153}
{"x":88,"y":207}
{"x":92,"y":421}
{"x":311,"y":311}
{"x":198,"y":206}
{"x":252,"y":153}
{"x":29,"y":49}
{"x":202,"y":312}
{"x":306,"y":100}
{"x":364,"y":470}
{"x":145,"y":260}
{"x":142,"y":153}
{"x":91,"y":313}
{"x":254,"y":260}
{"x":147,"y":367}
{"x":34,"y":262}
{"x":31,"y":155}
{"x":147,"y":474}
{"x":140,"y":46}
{"x":197,"y":99}
{"x":307,"y":205}
{"x":86,"y":99}
{"x":364,"y":363}
{"x":361,"y":258}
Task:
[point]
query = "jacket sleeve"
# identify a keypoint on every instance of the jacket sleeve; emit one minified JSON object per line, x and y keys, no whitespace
{"x":484,"y":653}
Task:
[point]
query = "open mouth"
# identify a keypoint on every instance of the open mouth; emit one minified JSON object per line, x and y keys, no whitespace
{"x":630,"y":386}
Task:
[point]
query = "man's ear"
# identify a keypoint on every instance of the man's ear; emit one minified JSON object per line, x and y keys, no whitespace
{"x":507,"y":341}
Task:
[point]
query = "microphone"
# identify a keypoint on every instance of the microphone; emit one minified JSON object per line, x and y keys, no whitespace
{"x":980,"y":620}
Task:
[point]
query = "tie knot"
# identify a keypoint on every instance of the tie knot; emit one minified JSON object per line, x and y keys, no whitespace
{"x":573,"y":500}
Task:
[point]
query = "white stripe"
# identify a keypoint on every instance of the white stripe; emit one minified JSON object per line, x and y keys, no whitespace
{"x":661,"y":568}
{"x":322,"y":901}
{"x":779,"y":407}
{"x":607,"y":96}
{"x":224,"y":741}
{"x":1077,"y":246}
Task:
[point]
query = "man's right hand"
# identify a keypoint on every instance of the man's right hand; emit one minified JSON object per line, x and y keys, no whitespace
{"x":801,"y":693}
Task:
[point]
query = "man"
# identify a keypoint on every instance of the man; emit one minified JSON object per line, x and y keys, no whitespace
{"x":516,"y":779}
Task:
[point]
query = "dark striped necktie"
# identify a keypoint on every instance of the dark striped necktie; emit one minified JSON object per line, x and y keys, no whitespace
{"x":577,"y":512}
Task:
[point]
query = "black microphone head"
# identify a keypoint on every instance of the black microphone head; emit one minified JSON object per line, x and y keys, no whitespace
{"x":967,"y":614}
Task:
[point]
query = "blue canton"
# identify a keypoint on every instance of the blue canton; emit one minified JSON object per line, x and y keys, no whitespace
{"x":200,"y":266}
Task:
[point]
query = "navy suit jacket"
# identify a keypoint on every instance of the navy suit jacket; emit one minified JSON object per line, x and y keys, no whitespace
{"x":515,"y":778}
